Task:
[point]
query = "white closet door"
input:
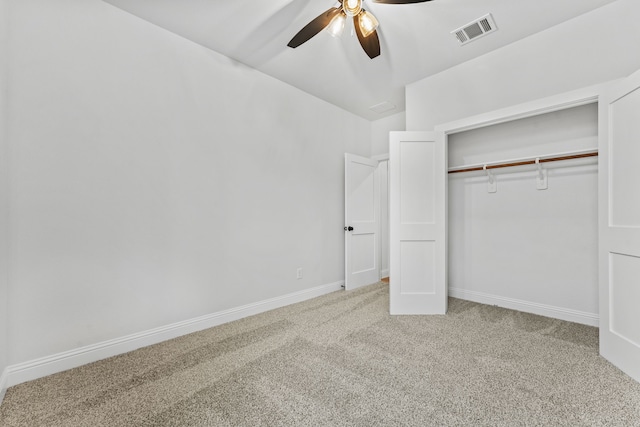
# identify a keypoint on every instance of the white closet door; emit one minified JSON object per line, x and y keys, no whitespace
{"x":619,"y":211}
{"x":418,"y":180}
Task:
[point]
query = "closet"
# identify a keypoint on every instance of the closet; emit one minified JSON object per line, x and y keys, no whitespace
{"x":526,"y":236}
{"x":558,"y":238}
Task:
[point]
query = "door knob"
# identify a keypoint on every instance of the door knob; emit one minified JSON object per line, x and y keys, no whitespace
{"x":349,"y":228}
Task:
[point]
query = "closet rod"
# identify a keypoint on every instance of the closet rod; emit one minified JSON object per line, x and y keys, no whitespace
{"x":526,"y":162}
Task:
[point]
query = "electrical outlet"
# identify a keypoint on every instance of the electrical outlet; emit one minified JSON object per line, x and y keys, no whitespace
{"x":299,"y":273}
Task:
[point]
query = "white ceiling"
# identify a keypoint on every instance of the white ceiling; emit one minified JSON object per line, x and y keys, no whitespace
{"x":415,"y":40}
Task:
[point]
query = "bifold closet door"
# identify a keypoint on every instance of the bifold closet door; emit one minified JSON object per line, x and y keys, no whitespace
{"x":417,"y":216}
{"x":619,"y":211}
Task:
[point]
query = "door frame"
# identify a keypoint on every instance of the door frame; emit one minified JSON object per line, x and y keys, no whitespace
{"x":383,"y":158}
{"x":584,"y":96}
{"x":567,"y":100}
{"x":588,"y":95}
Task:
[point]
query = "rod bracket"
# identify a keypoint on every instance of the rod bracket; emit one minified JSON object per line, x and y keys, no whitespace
{"x":541,"y":178}
{"x":492,"y":185}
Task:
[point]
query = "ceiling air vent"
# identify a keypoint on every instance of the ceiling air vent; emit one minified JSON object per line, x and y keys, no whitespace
{"x":383,"y":107}
{"x":476,"y":29}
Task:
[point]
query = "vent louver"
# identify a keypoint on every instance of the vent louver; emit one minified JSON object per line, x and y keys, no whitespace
{"x":476,"y":29}
{"x":383,"y":107}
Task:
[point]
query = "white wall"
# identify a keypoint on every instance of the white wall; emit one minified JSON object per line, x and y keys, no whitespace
{"x":592,"y":48}
{"x":522,"y":245}
{"x":4,"y":197}
{"x":380,"y":132}
{"x":154,"y":180}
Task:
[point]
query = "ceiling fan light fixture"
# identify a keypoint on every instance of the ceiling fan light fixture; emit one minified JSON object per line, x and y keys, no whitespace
{"x":368,"y":23}
{"x":336,"y":26}
{"x":352,"y":7}
{"x":333,"y":19}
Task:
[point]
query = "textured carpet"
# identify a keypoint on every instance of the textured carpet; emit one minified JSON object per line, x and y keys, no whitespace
{"x":341,"y":360}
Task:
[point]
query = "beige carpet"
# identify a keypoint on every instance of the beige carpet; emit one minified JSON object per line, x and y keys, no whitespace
{"x":341,"y":360}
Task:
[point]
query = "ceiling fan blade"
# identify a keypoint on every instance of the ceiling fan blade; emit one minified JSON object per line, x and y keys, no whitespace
{"x":399,"y":1}
{"x":371,"y":43}
{"x":314,"y":27}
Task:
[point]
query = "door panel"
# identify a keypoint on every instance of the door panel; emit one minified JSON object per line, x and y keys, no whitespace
{"x":417,"y":171}
{"x":619,"y":212}
{"x":625,"y":295}
{"x":625,"y":174}
{"x":362,"y":252}
{"x":362,"y":214}
{"x":417,"y":178}
{"x":417,"y":263}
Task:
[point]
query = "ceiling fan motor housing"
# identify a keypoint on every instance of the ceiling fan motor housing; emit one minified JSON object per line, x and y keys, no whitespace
{"x":352,"y":7}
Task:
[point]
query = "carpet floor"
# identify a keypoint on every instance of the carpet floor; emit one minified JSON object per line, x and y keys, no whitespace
{"x":342,"y":360}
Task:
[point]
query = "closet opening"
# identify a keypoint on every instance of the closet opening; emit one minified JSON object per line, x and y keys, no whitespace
{"x":523,"y":213}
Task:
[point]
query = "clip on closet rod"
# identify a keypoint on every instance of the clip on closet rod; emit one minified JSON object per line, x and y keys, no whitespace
{"x":526,"y":162}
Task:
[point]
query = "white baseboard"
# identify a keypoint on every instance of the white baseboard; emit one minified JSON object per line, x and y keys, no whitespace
{"x":384,"y":273}
{"x":3,"y":384}
{"x":567,"y":314}
{"x":38,"y":368}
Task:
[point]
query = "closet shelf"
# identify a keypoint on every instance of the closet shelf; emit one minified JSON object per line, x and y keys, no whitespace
{"x":526,"y":161}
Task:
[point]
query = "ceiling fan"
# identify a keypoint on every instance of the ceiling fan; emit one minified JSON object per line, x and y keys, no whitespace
{"x":364,"y":23}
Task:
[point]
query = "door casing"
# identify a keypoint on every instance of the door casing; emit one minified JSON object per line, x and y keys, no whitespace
{"x":547,"y":105}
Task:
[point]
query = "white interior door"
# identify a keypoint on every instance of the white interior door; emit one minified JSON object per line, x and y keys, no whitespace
{"x":362,"y":221}
{"x":619,"y":212}
{"x":418,"y":219}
